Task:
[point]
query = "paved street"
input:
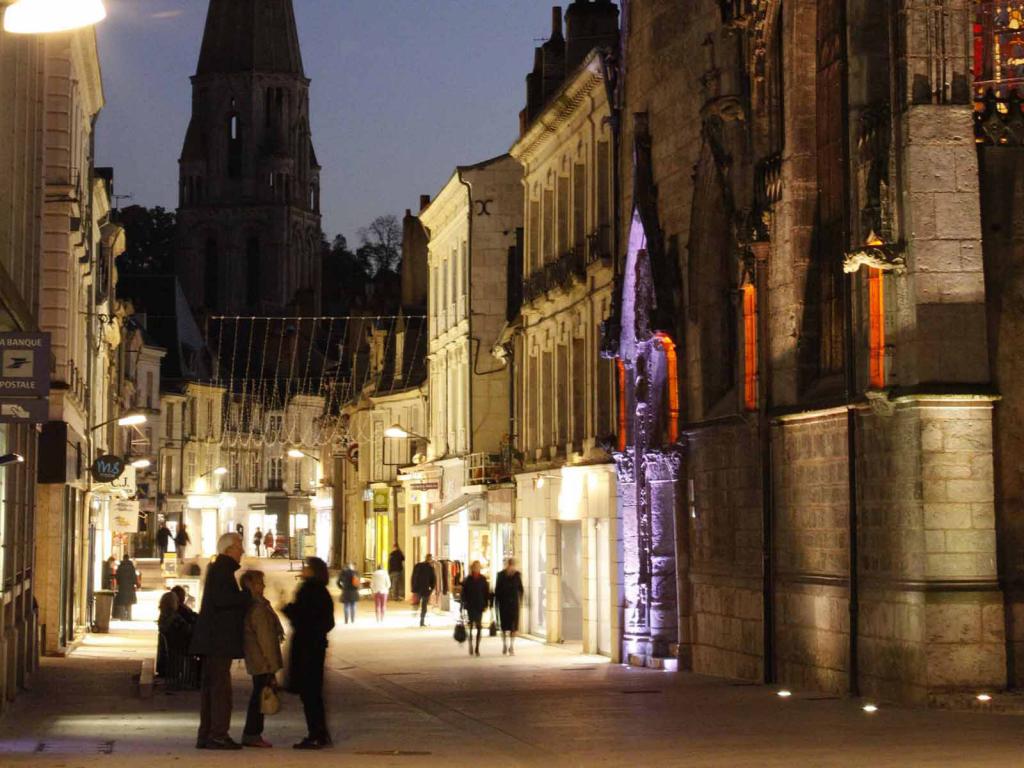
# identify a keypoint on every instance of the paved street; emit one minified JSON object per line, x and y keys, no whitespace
{"x":405,"y":696}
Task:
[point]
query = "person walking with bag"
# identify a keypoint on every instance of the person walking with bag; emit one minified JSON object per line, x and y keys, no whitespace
{"x":424,"y":582}
{"x":380,"y":585}
{"x":476,"y":597}
{"x":257,"y":541}
{"x":218,"y":639}
{"x":181,"y":543}
{"x":349,"y":582}
{"x":312,"y":618}
{"x":268,"y":543}
{"x":261,"y":641}
{"x":508,"y":597}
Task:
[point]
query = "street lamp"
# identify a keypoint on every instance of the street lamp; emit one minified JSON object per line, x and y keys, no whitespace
{"x":142,"y":463}
{"x":31,"y":17}
{"x":130,"y":419}
{"x":218,"y":471}
{"x":398,"y":432}
{"x":295,"y":453}
{"x":11,"y":458}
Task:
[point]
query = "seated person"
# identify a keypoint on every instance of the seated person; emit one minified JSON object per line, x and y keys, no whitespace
{"x":175,"y":636}
{"x":184,"y":611}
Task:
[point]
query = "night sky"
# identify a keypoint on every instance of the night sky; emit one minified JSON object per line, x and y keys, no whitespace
{"x":403,"y":90}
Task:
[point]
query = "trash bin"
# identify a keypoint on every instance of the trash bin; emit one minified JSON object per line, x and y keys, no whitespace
{"x":104,"y":607}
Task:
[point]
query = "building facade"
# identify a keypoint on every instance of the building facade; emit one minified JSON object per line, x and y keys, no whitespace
{"x":804,"y":328}
{"x":459,"y":497}
{"x":22,"y":90}
{"x":568,"y":525}
{"x":249,"y":199}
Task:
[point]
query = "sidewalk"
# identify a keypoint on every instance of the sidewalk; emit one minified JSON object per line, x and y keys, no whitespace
{"x":399,"y":695}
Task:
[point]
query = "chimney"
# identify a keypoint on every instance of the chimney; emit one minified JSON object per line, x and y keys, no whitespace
{"x":414,"y":276}
{"x":534,"y":89}
{"x":424,"y":201}
{"x":553,"y":57}
{"x":589,"y":25}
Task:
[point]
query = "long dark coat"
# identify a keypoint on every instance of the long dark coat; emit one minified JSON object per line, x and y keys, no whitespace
{"x":312,"y":618}
{"x":424,"y":580}
{"x":126,"y":580}
{"x":218,"y":631}
{"x":508,"y":596}
{"x":476,"y":596}
{"x":349,"y":590}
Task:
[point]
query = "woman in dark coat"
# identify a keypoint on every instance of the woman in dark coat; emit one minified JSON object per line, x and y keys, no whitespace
{"x":508,"y":596}
{"x":349,"y":582}
{"x":312,"y":618}
{"x":127,"y":582}
{"x":175,"y":634}
{"x":476,"y":597}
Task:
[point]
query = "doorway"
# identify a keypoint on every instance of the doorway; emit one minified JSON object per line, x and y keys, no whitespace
{"x":571,"y":592}
{"x":604,"y":588}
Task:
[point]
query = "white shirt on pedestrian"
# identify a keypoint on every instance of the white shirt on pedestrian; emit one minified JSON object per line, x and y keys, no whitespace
{"x":380,"y":582}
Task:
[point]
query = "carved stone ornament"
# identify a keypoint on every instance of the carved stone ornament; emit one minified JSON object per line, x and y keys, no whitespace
{"x":877,"y":255}
{"x":880,"y":402}
{"x":625,"y":467}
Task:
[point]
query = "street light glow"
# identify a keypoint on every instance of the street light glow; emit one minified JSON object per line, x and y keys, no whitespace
{"x":870,"y":708}
{"x":132,"y":420}
{"x":295,"y":453}
{"x":220,"y":471}
{"x":784,"y":694}
{"x":32,"y":17}
{"x":396,"y":432}
{"x":142,"y":463}
{"x":984,"y":697}
{"x":11,"y":458}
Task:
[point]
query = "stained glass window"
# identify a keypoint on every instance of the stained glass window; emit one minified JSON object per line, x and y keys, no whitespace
{"x":999,"y":47}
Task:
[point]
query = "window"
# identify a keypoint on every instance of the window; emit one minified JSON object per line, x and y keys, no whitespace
{"x":563,"y":215}
{"x":549,"y":227}
{"x":149,"y":389}
{"x":671,"y":388}
{"x":876,"y":327}
{"x":190,"y":468}
{"x":211,"y":264}
{"x":193,"y":427}
{"x":534,"y":258}
{"x":209,"y":418}
{"x":275,"y":473}
{"x":579,"y":209}
{"x":998,"y":47}
{"x":234,"y":146}
{"x":604,"y":198}
{"x":750,"y":347}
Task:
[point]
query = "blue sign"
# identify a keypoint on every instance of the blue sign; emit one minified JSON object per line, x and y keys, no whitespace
{"x":106,"y":469}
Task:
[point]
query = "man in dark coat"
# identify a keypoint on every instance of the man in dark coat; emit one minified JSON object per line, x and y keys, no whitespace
{"x":476,"y":598}
{"x":127,"y":580}
{"x":218,"y":639}
{"x":396,"y":572}
{"x":163,"y":539}
{"x":424,"y":582}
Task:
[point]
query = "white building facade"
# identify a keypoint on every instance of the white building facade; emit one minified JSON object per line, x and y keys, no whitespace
{"x":568,"y":528}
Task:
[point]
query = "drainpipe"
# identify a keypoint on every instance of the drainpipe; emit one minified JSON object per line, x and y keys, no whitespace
{"x":851,"y":469}
{"x":469,"y":315}
{"x":761,"y":254}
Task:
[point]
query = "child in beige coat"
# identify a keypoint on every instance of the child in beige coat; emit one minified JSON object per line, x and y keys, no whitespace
{"x":262,"y":643}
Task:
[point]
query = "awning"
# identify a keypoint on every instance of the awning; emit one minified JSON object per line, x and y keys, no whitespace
{"x":453,"y":507}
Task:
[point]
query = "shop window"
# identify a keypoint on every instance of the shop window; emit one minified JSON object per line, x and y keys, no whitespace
{"x":998,"y":47}
{"x":750,"y":371}
{"x":876,"y":329}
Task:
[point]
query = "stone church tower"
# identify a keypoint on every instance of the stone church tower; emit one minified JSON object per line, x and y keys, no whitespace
{"x":249,"y":199}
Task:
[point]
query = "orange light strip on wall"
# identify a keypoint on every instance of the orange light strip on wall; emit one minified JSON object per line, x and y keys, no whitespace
{"x":672,"y":385}
{"x":750,"y":371}
{"x":876,"y":327}
{"x":622,"y":406}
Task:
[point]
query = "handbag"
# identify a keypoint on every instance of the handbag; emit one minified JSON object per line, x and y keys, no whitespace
{"x":270,"y":702}
{"x":460,"y":632}
{"x":493,"y":629}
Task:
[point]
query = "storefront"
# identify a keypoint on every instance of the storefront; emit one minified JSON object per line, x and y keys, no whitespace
{"x":572,"y":567}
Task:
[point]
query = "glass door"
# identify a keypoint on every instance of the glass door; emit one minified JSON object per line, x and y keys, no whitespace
{"x":538,"y":576}
{"x":571,"y":568}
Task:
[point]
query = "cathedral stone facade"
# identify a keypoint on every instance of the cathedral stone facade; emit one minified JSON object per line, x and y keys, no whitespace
{"x":249,"y":198}
{"x":818,"y":211}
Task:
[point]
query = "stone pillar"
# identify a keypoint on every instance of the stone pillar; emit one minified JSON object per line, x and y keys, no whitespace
{"x":662,"y":479}
{"x":635,"y":630}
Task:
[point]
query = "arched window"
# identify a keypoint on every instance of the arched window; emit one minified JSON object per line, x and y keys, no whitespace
{"x":668,"y":347}
{"x":211,"y":268}
{"x":253,"y":272}
{"x":750,"y":355}
{"x":234,"y":146}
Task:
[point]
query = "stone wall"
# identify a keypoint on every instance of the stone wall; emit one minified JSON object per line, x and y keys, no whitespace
{"x":811,"y":537}
{"x":724,"y":477}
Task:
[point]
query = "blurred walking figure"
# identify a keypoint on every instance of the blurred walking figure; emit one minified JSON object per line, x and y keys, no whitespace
{"x":181,"y":543}
{"x":396,"y":572}
{"x":268,"y":543}
{"x":257,"y":541}
{"x":380,"y":585}
{"x":128,"y":583}
{"x":217,"y":637}
{"x":163,"y":540}
{"x":261,"y":641}
{"x":476,"y":597}
{"x":349,"y":582}
{"x":424,"y":582}
{"x":312,"y":618}
{"x":508,"y":597}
